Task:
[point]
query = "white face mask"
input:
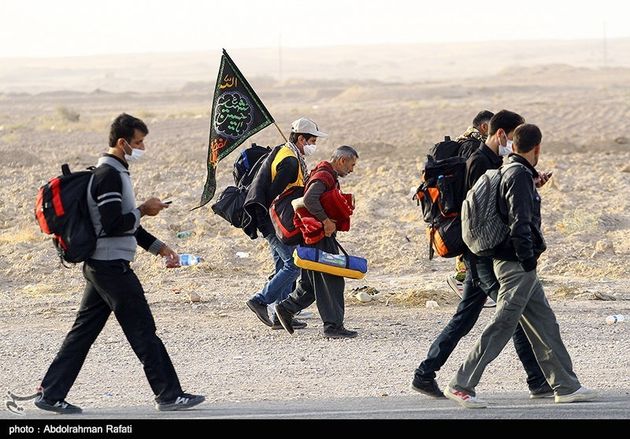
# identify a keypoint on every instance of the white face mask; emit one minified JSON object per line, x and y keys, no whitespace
{"x":309,"y":149}
{"x":136,"y":154}
{"x":505,"y":150}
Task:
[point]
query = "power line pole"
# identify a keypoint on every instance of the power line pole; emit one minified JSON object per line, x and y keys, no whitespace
{"x":280,"y":57}
{"x":605,"y":46}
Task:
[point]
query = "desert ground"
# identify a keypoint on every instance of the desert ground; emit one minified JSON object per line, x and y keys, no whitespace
{"x":218,"y":346}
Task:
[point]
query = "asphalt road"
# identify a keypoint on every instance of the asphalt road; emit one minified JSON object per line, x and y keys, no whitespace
{"x":509,"y":405}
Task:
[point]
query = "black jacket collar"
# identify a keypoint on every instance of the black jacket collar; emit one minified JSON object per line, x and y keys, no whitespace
{"x":515,"y":158}
{"x":495,"y":159}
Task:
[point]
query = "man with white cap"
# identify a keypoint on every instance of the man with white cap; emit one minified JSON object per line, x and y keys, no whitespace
{"x":283,"y":169}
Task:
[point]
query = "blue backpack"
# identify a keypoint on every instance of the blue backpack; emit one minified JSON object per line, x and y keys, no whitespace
{"x":247,"y":164}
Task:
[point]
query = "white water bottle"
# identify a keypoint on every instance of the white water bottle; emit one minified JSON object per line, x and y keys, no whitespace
{"x":187,"y":259}
{"x":617,"y":318}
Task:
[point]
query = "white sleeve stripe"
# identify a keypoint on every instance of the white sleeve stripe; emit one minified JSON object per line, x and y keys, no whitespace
{"x":108,"y":194}
{"x":112,"y":200}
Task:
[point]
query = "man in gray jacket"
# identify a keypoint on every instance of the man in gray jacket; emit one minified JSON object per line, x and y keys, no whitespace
{"x":111,"y":283}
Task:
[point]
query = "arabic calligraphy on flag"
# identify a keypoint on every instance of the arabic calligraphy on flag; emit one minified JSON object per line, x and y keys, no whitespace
{"x":237,"y":114}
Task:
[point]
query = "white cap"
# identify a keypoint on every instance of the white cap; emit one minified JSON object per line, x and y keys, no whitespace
{"x":307,"y":126}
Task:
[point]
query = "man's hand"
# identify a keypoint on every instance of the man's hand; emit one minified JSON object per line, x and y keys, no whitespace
{"x":172,"y":258}
{"x":152,"y":207}
{"x":543,"y":177}
{"x":329,"y":227}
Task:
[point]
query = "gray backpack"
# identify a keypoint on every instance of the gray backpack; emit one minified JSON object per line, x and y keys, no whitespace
{"x":483,"y":228}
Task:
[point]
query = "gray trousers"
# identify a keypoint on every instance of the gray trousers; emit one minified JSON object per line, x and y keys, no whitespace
{"x":324,"y":288}
{"x":521,"y":297}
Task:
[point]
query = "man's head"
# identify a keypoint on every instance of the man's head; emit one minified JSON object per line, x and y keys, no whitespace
{"x":527,"y":140}
{"x":127,"y":134}
{"x":501,"y":131}
{"x":482,"y":122}
{"x":304,"y":134}
{"x":343,"y":160}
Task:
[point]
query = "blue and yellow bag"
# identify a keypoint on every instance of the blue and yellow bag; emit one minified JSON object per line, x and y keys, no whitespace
{"x":343,"y":265}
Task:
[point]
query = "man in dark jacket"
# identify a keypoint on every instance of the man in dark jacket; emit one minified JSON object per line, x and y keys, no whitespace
{"x":324,"y":288}
{"x":475,"y":135}
{"x":480,"y":280}
{"x":112,"y":286}
{"x":521,"y":296}
{"x":281,"y":171}
{"x":470,"y":141}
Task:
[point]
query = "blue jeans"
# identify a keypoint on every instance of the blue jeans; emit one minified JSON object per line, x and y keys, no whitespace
{"x":466,"y":315}
{"x":281,"y":284}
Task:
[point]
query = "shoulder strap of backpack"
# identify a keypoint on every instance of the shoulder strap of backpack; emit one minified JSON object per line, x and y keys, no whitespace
{"x":502,"y":170}
{"x":89,"y":194}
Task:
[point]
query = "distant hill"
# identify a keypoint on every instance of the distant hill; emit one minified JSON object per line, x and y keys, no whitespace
{"x":387,"y":63}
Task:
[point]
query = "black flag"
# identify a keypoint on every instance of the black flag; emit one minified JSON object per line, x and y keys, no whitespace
{"x":237,"y":113}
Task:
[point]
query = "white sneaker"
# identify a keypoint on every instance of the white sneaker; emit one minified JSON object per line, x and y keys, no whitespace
{"x":581,"y":394}
{"x":490,"y":303}
{"x":456,"y":286}
{"x":464,"y":399}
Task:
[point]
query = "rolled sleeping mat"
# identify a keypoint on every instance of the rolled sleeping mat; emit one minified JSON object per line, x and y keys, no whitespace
{"x":344,"y":265}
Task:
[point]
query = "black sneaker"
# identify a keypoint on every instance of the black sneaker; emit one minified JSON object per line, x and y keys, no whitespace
{"x":339,"y":333}
{"x":427,"y":387}
{"x":285,"y":318}
{"x":182,"y":402}
{"x":295,"y":324}
{"x":544,"y":391}
{"x":62,"y":407}
{"x":260,"y":310}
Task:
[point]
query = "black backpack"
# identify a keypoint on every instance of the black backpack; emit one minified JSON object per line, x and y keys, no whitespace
{"x":229,"y":205}
{"x":452,"y":148}
{"x":61,"y":210}
{"x":445,"y":149}
{"x":440,"y":195}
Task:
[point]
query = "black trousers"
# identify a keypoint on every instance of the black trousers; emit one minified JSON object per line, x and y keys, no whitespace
{"x":325,"y":289}
{"x":480,"y":282}
{"x":112,"y":286}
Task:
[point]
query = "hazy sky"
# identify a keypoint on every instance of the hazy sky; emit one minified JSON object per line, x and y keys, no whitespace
{"x":85,"y":27}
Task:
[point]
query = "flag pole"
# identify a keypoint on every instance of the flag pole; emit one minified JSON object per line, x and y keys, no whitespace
{"x":280,"y":131}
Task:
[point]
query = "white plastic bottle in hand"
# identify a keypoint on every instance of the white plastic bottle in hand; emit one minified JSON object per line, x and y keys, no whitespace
{"x":187,"y":259}
{"x":617,"y":318}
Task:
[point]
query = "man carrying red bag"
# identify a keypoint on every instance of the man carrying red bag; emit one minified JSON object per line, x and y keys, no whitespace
{"x":325,"y":210}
